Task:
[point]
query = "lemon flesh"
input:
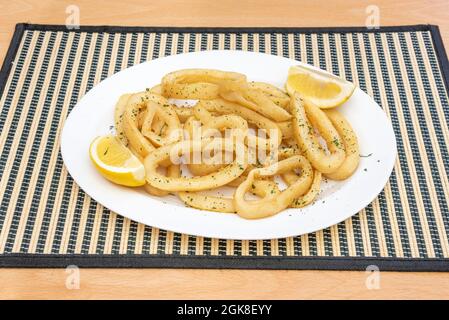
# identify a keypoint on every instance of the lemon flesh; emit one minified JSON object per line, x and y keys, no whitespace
{"x":115,"y":162}
{"x":318,"y":87}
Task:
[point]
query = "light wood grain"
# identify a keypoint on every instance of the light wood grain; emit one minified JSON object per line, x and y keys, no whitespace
{"x":223,"y":13}
{"x":219,"y":284}
{"x":214,"y":284}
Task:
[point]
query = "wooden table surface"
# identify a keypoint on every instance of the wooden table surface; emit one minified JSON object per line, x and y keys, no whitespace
{"x":215,"y":284}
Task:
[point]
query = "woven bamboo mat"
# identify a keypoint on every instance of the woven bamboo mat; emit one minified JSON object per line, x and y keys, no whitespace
{"x":46,"y":220}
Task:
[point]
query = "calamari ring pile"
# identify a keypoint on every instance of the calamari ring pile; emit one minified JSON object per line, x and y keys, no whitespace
{"x":307,"y":142}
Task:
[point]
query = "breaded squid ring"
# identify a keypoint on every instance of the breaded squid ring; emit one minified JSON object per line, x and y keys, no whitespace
{"x":278,"y":96}
{"x":207,"y":202}
{"x":147,"y":187}
{"x":183,"y":113}
{"x":157,"y":89}
{"x":135,"y":138}
{"x":199,"y":169}
{"x":222,"y":106}
{"x":309,"y":196}
{"x":118,"y":117}
{"x":214,"y":180}
{"x":308,"y":116}
{"x":218,"y":203}
{"x":286,"y":128}
{"x":234,"y":122}
{"x":199,"y":90}
{"x":155,"y":191}
{"x":287,"y":152}
{"x":227,"y":121}
{"x":351,"y":146}
{"x":254,"y":209}
{"x":133,"y":112}
{"x":158,"y":125}
{"x":216,"y":123}
{"x":201,"y":83}
{"x":202,"y":169}
{"x":259,"y":102}
{"x":169,"y":117}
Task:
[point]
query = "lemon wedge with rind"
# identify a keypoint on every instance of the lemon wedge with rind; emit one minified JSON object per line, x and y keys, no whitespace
{"x":116,"y":162}
{"x":319,"y":87}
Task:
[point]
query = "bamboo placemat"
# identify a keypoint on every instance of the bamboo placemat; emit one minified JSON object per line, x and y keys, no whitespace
{"x":46,"y":220}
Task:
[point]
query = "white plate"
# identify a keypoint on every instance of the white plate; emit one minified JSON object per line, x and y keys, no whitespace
{"x":93,"y":116}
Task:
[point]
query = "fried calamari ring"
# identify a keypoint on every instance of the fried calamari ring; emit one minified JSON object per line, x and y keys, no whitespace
{"x":218,"y":203}
{"x":287,"y":152}
{"x":157,"y":89}
{"x":186,"y":112}
{"x":253,"y":209}
{"x":211,"y":126}
{"x":307,"y":198}
{"x":259,"y":102}
{"x":235,"y":183}
{"x":286,"y":128}
{"x":351,"y":146}
{"x":133,"y":117}
{"x":214,"y":180}
{"x":206,"y":202}
{"x":199,"y":169}
{"x":168,"y":116}
{"x":221,"y":106}
{"x":159,"y":126}
{"x":136,"y":139}
{"x":183,"y":113}
{"x":201,"y":83}
{"x":227,"y":121}
{"x":308,"y":116}
{"x":147,"y":187}
{"x":202,"y":169}
{"x":222,"y":204}
{"x":191,"y":91}
{"x":239,"y":127}
{"x":275,"y":94}
{"x":158,"y":192}
{"x":155,"y":191}
{"x":118,"y":117}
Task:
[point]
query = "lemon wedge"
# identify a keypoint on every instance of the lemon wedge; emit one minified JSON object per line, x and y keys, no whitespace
{"x":116,"y":162}
{"x":323,"y":89}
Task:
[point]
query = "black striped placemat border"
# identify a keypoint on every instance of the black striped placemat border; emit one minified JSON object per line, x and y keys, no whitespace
{"x":249,"y":262}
